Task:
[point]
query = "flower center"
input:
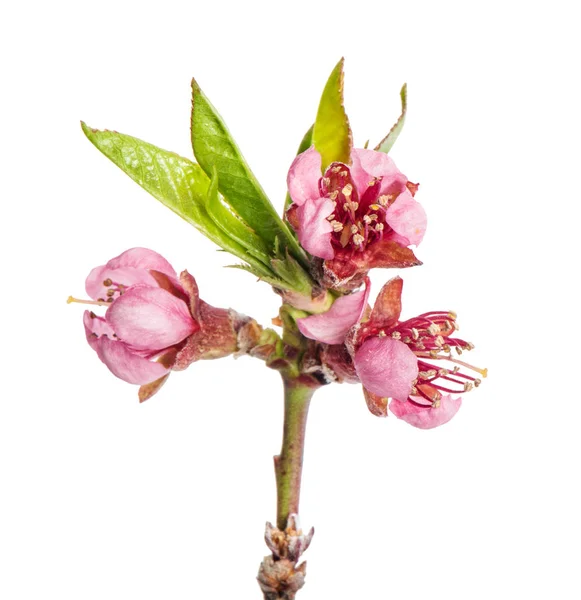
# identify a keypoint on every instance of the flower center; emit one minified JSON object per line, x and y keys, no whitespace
{"x":357,"y":220}
{"x":113,"y":288}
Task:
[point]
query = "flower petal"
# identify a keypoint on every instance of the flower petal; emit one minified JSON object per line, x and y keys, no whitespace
{"x":314,"y":231}
{"x":303,"y":177}
{"x":386,"y":367}
{"x":95,"y":327}
{"x":426,"y":416}
{"x":142,"y":258}
{"x":149,"y":318}
{"x":368,"y":164}
{"x":407,"y":218}
{"x":126,"y":365}
{"x":129,"y":268}
{"x":332,"y":326}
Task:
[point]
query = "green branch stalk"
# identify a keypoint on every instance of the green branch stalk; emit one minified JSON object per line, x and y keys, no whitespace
{"x":288,"y":465}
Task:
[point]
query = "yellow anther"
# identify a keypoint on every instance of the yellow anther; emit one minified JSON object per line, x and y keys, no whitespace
{"x":374,"y":206}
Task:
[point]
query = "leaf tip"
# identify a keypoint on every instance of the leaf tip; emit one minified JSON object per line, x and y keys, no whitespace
{"x":195,"y":86}
{"x":404,"y":96}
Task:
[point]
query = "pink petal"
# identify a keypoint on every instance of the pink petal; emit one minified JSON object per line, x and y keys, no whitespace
{"x":129,"y":268}
{"x":142,"y":258}
{"x":407,"y":218}
{"x":426,"y":416}
{"x":314,"y":230}
{"x":95,"y":327}
{"x":386,"y":367}
{"x":368,"y":164}
{"x":149,"y":318}
{"x":126,"y":365}
{"x":303,"y":177}
{"x":332,"y":326}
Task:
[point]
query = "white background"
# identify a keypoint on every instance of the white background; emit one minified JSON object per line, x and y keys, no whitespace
{"x":103,"y":498}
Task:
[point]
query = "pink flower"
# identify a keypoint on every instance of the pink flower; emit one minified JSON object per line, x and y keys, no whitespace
{"x":155,"y":320}
{"x":148,"y":315}
{"x":395,"y":359}
{"x":355,"y":216}
{"x":398,"y":360}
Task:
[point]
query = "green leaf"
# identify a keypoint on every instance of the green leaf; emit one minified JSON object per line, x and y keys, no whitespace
{"x":389,"y":140}
{"x":307,"y":140}
{"x":305,"y":144}
{"x":331,"y":133}
{"x":232,"y":225}
{"x":214,"y":148}
{"x":270,"y":279}
{"x":176,"y":182}
{"x":289,"y":270}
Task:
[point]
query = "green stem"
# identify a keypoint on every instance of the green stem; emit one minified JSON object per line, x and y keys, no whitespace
{"x":288,"y":465}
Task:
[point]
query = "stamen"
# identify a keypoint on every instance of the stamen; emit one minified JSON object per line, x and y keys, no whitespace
{"x":70,"y":300}
{"x":379,"y":227}
{"x":337,"y":226}
{"x":107,"y":282}
{"x":483,"y":372}
{"x":358,"y":239}
{"x":333,"y":195}
{"x":347,"y":190}
{"x":374,"y":206}
{"x":434,"y":329}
